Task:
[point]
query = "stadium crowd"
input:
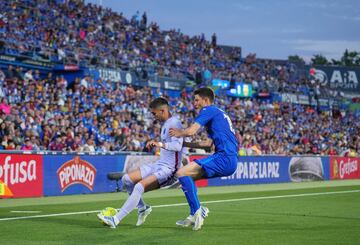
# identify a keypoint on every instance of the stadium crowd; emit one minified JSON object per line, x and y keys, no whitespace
{"x":95,"y":115}
{"x":73,"y":32}
{"x":50,"y":113}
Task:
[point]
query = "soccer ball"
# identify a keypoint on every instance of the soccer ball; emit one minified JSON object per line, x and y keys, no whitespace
{"x":109,"y":211}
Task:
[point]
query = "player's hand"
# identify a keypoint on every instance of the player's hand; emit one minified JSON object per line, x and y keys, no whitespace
{"x":150,"y":144}
{"x":175,"y":132}
{"x":153,"y":143}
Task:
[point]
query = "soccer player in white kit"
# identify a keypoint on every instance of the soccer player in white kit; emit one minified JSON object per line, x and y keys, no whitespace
{"x":152,"y":176}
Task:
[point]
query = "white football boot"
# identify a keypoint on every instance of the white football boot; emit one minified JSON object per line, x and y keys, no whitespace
{"x":142,"y":214}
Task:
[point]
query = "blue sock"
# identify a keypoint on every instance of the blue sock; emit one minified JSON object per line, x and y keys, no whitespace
{"x":189,"y":201}
{"x":190,"y":191}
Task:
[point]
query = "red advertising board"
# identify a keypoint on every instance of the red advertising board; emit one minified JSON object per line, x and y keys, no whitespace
{"x":21,"y":175}
{"x":344,"y":168}
{"x":202,"y":182}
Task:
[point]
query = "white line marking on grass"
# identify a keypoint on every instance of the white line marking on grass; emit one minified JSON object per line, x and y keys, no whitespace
{"x":25,"y":211}
{"x":184,"y":204}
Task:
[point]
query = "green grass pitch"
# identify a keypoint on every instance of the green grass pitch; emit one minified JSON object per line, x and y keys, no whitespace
{"x":293,"y":213}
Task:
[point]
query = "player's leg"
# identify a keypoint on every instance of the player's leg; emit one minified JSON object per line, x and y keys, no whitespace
{"x":193,"y":170}
{"x":215,"y":165}
{"x":147,"y":184}
{"x":164,"y":176}
{"x":208,"y":167}
{"x":187,"y":175}
{"x":129,"y":180}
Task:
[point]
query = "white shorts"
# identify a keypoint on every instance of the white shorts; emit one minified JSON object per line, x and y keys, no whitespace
{"x":165,"y":175}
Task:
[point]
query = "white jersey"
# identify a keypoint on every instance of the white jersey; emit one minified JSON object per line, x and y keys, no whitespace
{"x":171,"y":153}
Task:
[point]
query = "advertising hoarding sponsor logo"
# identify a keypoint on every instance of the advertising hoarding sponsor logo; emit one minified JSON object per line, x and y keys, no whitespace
{"x":71,"y":67}
{"x":348,"y":168}
{"x":7,"y":58}
{"x":102,"y":164}
{"x":17,"y":172}
{"x":154,"y":84}
{"x":108,"y":74}
{"x":336,"y":78}
{"x":174,"y":85}
{"x":128,"y":78}
{"x":76,"y":171}
{"x":345,"y":168}
{"x":306,"y":169}
{"x":4,"y":190}
{"x":255,"y":170}
{"x":335,"y":169}
{"x":319,"y":75}
{"x":290,"y":98}
{"x":21,"y":174}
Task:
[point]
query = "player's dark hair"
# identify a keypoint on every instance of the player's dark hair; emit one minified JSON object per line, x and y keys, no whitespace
{"x":156,"y":103}
{"x":205,"y":93}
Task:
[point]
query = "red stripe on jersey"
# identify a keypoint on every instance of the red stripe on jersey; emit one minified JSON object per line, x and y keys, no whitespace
{"x":176,"y":159}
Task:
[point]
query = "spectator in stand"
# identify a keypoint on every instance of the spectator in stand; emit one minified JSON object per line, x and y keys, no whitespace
{"x":27,"y":146}
{"x":10,"y":145}
{"x":57,"y":144}
{"x":89,"y":146}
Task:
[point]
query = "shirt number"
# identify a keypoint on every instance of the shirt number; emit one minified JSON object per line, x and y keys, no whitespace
{"x":230,"y":123}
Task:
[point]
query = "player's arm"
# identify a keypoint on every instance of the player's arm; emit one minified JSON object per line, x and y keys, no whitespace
{"x":190,"y":131}
{"x":174,"y":145}
{"x":205,"y":144}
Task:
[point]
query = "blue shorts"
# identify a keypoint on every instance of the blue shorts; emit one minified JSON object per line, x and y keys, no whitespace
{"x":218,"y":165}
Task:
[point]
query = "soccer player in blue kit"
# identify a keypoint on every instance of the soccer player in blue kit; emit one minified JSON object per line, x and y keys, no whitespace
{"x":222,"y":163}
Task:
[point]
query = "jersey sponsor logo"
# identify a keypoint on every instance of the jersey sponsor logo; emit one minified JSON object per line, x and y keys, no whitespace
{"x":256,"y":170}
{"x":76,"y":171}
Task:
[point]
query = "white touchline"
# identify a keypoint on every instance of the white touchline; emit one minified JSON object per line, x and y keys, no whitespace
{"x":183,"y":204}
{"x":25,"y":211}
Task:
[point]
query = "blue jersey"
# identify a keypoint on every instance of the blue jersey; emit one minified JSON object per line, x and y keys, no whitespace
{"x":219,"y":127}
